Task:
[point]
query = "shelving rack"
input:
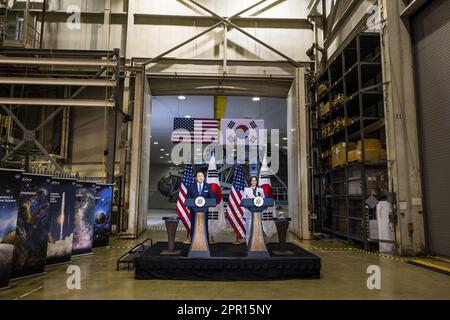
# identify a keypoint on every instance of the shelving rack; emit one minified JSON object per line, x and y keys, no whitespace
{"x":356,"y":73}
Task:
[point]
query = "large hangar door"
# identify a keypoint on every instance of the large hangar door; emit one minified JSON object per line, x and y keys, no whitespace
{"x":431,"y":29}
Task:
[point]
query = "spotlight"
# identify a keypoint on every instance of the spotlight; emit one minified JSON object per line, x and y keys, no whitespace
{"x":161,"y":149}
{"x":256,"y":99}
{"x":181,"y":98}
{"x":156,"y":142}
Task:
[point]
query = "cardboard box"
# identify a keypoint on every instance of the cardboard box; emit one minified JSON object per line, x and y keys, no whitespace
{"x":339,"y":156}
{"x":322,"y":88}
{"x":324,"y":109}
{"x":370,"y":144}
{"x":339,"y":100}
{"x":371,"y":155}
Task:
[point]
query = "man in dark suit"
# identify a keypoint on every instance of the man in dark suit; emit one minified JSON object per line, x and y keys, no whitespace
{"x":199,"y":189}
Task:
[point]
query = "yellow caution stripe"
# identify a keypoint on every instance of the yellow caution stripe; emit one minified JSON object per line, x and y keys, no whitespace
{"x":350,"y":249}
{"x":441,"y":259}
{"x":430,"y":266}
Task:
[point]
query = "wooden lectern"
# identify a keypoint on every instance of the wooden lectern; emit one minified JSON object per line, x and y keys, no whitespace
{"x":199,"y":245}
{"x":171,"y":227}
{"x":282,"y":224}
{"x":256,"y":245}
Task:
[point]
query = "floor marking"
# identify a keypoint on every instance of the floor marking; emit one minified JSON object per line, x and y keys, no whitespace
{"x":441,"y":259}
{"x":28,"y":293}
{"x":342,"y":249}
{"x":431,"y":266}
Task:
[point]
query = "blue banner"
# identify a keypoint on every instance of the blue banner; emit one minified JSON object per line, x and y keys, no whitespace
{"x":102,"y":221}
{"x":62,"y":218}
{"x":83,"y":233}
{"x":30,"y":245}
{"x":9,"y":205}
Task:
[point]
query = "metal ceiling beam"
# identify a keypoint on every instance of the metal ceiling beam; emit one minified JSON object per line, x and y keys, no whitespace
{"x":330,"y":23}
{"x":188,"y":20}
{"x":57,"y":61}
{"x":312,"y":6}
{"x":58,"y":81}
{"x":199,"y":34}
{"x":347,"y":13}
{"x":229,"y":23}
{"x":57,"y":102}
{"x":93,"y":17}
{"x":36,"y":143}
{"x":47,"y":120}
{"x":413,"y":7}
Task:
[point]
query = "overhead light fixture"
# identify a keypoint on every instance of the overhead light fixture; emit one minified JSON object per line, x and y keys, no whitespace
{"x":161,"y":157}
{"x":285,"y":138}
{"x":188,"y":116}
{"x":181,"y":98}
{"x":156,"y":142}
{"x":162,"y":149}
{"x":167,"y":154}
{"x":169,"y":161}
{"x":256,"y":99}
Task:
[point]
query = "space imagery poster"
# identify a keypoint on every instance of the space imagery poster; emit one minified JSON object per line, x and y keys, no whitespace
{"x":9,"y":205}
{"x":62,"y":218}
{"x":102,"y":221}
{"x":30,"y":245}
{"x":83,"y":233}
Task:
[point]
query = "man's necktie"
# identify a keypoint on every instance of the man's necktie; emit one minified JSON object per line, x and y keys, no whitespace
{"x":200,"y":189}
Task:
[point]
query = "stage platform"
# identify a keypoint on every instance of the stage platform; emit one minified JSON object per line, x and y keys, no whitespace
{"x":228,"y":262}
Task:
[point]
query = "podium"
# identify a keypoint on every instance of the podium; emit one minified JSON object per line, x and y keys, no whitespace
{"x":256,"y":245}
{"x":199,"y":245}
{"x":282,"y":224}
{"x":171,"y":227}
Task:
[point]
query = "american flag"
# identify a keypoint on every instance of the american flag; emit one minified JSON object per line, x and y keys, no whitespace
{"x":190,"y":130}
{"x":235,"y":213}
{"x":182,"y":211}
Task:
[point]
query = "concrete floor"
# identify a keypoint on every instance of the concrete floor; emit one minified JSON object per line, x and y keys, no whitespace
{"x":343,"y":277}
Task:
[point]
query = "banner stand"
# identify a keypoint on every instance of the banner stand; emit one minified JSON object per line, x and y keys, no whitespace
{"x":11,"y":180}
{"x":103,"y":211}
{"x":85,"y":204}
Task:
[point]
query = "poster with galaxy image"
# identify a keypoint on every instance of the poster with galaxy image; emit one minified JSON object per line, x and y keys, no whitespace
{"x":102,"y":221}
{"x":62,"y":218}
{"x":30,"y":245}
{"x":83,"y":233}
{"x":9,"y":205}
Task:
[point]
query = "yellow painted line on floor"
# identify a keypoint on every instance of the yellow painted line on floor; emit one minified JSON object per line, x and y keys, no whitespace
{"x":441,"y":259}
{"x":431,"y":265}
{"x":28,"y":293}
{"x":349,"y":249}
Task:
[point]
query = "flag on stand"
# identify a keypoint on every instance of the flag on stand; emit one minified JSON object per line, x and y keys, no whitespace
{"x":190,"y":130}
{"x":216,"y":216}
{"x":235,"y":213}
{"x":264,"y":181}
{"x":182,"y":211}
